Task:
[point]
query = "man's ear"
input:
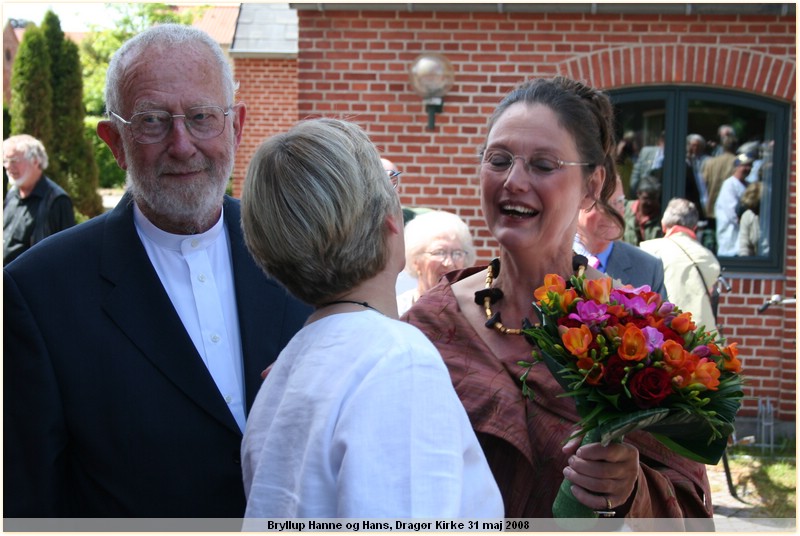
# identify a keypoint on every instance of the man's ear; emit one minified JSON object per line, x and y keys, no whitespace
{"x":394,"y":225}
{"x":238,"y":122}
{"x":594,"y":185}
{"x":108,"y":133}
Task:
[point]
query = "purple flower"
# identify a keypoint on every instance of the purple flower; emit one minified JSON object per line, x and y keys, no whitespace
{"x":701,"y":350}
{"x":590,"y":312}
{"x":635,"y":304}
{"x":641,"y":290}
{"x":654,"y":338}
{"x":666,"y":309}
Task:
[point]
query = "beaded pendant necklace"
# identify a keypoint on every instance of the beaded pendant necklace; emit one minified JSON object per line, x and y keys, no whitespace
{"x":488,"y":296}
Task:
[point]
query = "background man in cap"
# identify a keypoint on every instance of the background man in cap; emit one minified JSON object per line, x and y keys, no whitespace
{"x":725,"y":206}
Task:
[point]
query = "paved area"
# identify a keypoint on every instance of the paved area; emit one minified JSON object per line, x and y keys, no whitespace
{"x":742,"y":513}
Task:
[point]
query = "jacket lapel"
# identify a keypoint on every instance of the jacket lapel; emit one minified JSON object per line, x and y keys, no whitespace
{"x":261,"y":304}
{"x":618,"y":265}
{"x":139,"y":305}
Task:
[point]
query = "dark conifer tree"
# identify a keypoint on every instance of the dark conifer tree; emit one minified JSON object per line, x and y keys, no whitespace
{"x":77,"y":168}
{"x":31,"y":91}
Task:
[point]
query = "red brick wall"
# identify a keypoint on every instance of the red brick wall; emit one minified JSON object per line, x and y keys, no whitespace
{"x":355,"y":65}
{"x":10,"y":46}
{"x":268,"y":87}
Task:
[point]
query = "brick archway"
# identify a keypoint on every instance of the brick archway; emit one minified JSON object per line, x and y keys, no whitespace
{"x":716,"y":66}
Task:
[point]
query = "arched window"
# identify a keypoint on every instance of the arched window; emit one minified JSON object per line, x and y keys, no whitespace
{"x":660,"y":126}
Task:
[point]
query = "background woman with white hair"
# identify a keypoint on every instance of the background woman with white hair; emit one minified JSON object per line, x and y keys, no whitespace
{"x":437,"y":242}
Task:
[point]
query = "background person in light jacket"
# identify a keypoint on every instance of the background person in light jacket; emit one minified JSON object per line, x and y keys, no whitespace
{"x":690,"y":270}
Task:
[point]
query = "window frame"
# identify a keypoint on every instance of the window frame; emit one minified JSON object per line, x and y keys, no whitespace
{"x":676,"y":100}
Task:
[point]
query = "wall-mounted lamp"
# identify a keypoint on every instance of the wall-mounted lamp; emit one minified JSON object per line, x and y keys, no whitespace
{"x":431,"y":77}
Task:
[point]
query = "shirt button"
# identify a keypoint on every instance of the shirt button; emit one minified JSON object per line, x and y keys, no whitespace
{"x":195,"y":242}
{"x":228,"y":399}
{"x":215,"y":338}
{"x":201,"y":278}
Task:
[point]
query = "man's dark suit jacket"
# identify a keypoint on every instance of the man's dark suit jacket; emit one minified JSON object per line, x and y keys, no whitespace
{"x":634,"y":266}
{"x":109,"y":411}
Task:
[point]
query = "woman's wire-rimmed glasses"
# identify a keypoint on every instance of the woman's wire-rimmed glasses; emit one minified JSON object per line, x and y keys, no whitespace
{"x":499,"y":161}
{"x":202,"y":122}
{"x":441,"y":254}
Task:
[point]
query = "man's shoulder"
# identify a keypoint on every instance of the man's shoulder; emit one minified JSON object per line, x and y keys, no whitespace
{"x":648,"y":150}
{"x":653,"y":246}
{"x":69,"y":247}
{"x":52,"y":187}
{"x":635,"y":253}
{"x":693,"y":246}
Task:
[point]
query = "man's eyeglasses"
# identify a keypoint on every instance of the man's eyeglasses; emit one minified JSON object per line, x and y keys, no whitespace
{"x":618,"y":204}
{"x":394,"y":177}
{"x":11,"y":161}
{"x":202,"y":122}
{"x":499,"y":161}
{"x":441,"y":254}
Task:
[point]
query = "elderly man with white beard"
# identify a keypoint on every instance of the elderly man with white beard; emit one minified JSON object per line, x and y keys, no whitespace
{"x":129,"y":375}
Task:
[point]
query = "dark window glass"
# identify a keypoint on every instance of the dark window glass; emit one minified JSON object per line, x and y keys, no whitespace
{"x":657,"y":157}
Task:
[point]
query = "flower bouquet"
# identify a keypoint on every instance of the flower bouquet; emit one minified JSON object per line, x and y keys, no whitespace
{"x":632,"y":361}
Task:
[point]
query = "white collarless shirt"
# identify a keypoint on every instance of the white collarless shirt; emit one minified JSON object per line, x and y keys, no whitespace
{"x":197,"y":274}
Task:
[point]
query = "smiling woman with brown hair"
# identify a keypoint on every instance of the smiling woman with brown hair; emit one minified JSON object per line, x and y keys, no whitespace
{"x":549,"y":153}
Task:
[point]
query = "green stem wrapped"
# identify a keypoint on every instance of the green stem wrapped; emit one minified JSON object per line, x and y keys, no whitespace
{"x":566,"y":505}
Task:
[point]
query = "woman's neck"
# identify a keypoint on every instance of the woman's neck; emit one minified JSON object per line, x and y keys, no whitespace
{"x":374,"y":294}
{"x":519,"y":278}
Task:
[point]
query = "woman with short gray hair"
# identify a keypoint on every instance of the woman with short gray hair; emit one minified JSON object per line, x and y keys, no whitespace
{"x":357,"y":418}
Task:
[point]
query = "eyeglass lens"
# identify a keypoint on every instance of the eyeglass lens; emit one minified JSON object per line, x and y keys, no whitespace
{"x":202,"y":122}
{"x":442,"y":254}
{"x":502,"y":162}
{"x":394,"y":177}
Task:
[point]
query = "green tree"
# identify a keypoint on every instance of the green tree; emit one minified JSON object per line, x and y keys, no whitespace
{"x":69,"y":147}
{"x":31,"y":92}
{"x":100,"y":44}
{"x":6,"y":134}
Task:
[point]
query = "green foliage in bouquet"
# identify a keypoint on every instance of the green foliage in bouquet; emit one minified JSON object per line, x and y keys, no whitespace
{"x":632,"y":361}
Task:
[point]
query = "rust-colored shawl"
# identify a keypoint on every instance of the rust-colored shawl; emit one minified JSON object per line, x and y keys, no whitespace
{"x":522,"y":439}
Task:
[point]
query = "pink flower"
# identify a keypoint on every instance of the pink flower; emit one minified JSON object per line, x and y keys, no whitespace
{"x":654,"y":338}
{"x":590,"y":312}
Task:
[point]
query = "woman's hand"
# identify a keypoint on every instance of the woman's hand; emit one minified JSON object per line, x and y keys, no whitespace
{"x":602,"y":477}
